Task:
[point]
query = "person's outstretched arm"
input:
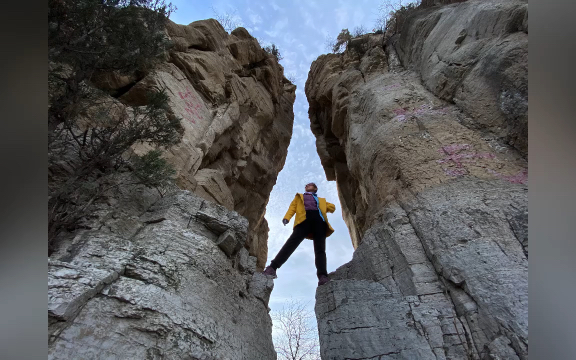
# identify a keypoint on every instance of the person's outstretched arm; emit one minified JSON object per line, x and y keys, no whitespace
{"x":291,"y":210}
{"x":330,"y":207}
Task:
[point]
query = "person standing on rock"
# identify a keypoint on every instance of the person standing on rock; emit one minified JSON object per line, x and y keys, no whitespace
{"x":311,"y":223}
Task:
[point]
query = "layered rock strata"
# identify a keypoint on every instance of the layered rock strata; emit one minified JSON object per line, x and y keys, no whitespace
{"x":236,"y":108}
{"x":161,"y":278}
{"x":425,"y":133}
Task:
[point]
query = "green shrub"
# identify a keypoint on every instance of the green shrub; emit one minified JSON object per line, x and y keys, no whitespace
{"x":342,"y":41}
{"x":152,"y":170}
{"x":273,"y":50}
{"x":81,"y":161}
{"x":89,"y":132}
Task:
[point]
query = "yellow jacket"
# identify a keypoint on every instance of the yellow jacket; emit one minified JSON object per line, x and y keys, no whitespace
{"x":297,"y":207}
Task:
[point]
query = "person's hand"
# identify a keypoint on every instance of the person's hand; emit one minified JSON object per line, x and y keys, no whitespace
{"x":284,"y":221}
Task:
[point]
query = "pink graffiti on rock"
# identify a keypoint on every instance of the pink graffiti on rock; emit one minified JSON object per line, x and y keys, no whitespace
{"x":193,"y":106}
{"x":519,"y":178}
{"x":456,"y":153}
{"x":425,"y":109}
{"x":390,"y":87}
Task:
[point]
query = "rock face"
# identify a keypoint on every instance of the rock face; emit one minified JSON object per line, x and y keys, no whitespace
{"x":425,"y":133}
{"x":174,"y":276}
{"x":172,"y":281}
{"x":236,"y":107}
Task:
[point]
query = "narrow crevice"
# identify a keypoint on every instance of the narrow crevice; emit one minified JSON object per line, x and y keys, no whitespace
{"x":123,"y":90}
{"x":361,"y":73}
{"x":198,"y":47}
{"x":518,"y":237}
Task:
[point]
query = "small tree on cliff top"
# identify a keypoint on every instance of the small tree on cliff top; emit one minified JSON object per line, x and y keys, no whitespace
{"x":342,"y":41}
{"x":393,"y":13}
{"x":274,"y":51}
{"x":229,"y":20}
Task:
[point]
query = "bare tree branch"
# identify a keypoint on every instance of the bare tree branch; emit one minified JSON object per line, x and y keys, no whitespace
{"x":229,"y":20}
{"x":297,"y":336}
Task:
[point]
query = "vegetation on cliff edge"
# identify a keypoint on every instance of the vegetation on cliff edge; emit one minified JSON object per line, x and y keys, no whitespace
{"x":90,"y":132}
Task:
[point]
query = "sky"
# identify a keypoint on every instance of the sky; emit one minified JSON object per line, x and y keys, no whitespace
{"x":300,"y":30}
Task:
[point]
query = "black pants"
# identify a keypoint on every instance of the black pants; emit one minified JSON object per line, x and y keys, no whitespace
{"x":317,"y":227}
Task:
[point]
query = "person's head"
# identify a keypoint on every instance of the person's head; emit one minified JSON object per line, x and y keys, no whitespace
{"x":311,"y":187}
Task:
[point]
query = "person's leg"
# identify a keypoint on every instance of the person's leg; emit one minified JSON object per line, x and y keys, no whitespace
{"x":298,"y":234}
{"x":319,"y":232}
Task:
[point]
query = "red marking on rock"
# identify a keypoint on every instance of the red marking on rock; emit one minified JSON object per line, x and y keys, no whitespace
{"x":519,"y":178}
{"x":192,"y":105}
{"x":455,"y":154}
{"x":390,"y":87}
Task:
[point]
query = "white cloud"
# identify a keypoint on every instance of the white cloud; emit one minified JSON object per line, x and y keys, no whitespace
{"x":308,"y":19}
{"x":255,"y":18}
{"x":278,"y":28}
{"x":275,"y":6}
{"x":341,"y":17}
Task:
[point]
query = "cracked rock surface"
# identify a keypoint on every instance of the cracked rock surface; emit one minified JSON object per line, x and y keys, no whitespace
{"x":428,"y":149}
{"x":167,"y":291}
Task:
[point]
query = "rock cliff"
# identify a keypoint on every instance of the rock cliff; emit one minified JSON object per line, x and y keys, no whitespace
{"x":161,"y":278}
{"x":175,"y":275}
{"x":425,"y":133}
{"x":236,"y":109}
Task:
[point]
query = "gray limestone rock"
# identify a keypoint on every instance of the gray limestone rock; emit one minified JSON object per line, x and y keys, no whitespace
{"x":170,"y":272}
{"x":464,"y":293}
{"x":70,"y":287}
{"x":476,"y":55}
{"x":261,"y":287}
{"x":167,"y":291}
{"x":246,"y":263}
{"x":228,"y":243}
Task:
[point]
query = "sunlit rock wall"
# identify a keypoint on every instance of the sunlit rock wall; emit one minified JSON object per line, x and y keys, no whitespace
{"x":425,"y":133}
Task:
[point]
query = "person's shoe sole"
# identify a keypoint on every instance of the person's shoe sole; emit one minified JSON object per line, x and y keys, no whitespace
{"x":274,"y":276}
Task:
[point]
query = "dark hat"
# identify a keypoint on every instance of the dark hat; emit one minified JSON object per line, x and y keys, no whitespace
{"x":311,"y":184}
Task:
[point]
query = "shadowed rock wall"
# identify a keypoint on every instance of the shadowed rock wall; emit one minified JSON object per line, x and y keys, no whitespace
{"x":176,"y":276}
{"x":425,"y":133}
